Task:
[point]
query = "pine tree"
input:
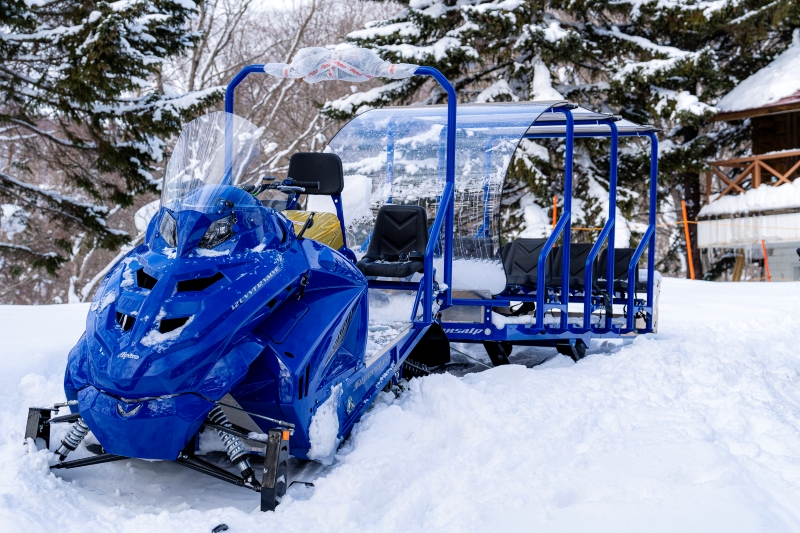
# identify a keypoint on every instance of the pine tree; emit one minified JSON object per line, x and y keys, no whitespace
{"x":660,"y":63}
{"x":83,"y":117}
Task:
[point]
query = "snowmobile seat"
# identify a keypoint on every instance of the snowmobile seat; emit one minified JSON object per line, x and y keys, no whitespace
{"x":326,"y":228}
{"x":320,"y":168}
{"x":622,"y":258}
{"x":520,"y":261}
{"x":578,"y":252}
{"x":321,"y":174}
{"x":398,"y":242}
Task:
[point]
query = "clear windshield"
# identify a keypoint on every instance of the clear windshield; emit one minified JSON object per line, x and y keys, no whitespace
{"x":200,"y":162}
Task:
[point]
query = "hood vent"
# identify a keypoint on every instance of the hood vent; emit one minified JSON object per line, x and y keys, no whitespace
{"x":199,"y":284}
{"x":125,"y":321}
{"x":145,"y":280}
{"x":171,"y":324}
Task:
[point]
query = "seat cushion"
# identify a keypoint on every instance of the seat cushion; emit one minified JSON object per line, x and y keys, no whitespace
{"x":400,"y":231}
{"x":622,"y":259}
{"x":520,"y":261}
{"x":578,"y":252}
{"x":326,"y":228}
{"x":389,"y":269}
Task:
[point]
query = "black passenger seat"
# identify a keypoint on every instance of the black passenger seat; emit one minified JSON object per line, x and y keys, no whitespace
{"x":578,"y":252}
{"x":622,"y":258}
{"x":520,"y":261}
{"x":398,"y":243}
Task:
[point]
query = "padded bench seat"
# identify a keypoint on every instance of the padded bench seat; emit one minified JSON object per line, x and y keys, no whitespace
{"x":520,"y":262}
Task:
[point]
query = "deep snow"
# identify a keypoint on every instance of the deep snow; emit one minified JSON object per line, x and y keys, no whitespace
{"x":694,"y":429}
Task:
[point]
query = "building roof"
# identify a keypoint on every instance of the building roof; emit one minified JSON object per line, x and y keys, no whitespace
{"x":773,"y":89}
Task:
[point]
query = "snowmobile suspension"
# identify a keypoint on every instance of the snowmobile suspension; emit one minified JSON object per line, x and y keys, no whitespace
{"x":233,"y":446}
{"x":73,"y":439}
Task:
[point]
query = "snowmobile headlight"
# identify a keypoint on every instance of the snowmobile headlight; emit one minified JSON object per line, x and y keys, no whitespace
{"x":169,"y":229}
{"x":218,"y":232}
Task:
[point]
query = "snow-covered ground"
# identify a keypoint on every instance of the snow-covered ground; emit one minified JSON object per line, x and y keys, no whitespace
{"x":694,"y":429}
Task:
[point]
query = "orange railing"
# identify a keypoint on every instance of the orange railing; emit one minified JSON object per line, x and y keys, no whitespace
{"x":748,"y":172}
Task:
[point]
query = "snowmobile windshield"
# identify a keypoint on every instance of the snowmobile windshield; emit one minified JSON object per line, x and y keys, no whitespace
{"x":213,"y":150}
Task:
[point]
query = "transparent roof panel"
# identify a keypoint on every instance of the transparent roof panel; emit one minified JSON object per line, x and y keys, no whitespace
{"x":587,"y":122}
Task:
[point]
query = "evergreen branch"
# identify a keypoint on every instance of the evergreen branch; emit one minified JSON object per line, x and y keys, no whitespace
{"x":50,"y":136}
{"x":50,"y":261}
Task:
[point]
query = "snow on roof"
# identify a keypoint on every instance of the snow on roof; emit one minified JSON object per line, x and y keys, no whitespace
{"x":765,"y":197}
{"x":776,"y":81}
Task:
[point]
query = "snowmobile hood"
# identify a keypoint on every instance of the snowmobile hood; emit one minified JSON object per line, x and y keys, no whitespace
{"x":173,"y":320}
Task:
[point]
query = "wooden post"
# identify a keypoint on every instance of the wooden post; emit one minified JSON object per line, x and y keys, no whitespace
{"x":555,"y":210}
{"x":757,"y":174}
{"x":738,"y":266}
{"x":766,"y":260}
{"x":708,"y":186}
{"x":688,"y":240}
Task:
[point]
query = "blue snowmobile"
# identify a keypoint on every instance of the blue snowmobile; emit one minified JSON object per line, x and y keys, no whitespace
{"x":251,"y":320}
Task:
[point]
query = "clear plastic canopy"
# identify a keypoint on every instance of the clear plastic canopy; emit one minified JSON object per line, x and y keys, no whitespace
{"x":350,"y":64}
{"x":401,"y":152}
{"x":199,"y":163}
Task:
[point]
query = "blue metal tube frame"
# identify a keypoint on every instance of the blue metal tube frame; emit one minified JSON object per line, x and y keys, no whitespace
{"x":229,"y":94}
{"x":427,"y":300}
{"x":447,"y":199}
{"x":564,"y":225}
{"x":606,"y":233}
{"x":648,"y":240}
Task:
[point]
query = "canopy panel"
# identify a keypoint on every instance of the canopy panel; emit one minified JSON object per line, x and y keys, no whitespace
{"x":398,"y":153}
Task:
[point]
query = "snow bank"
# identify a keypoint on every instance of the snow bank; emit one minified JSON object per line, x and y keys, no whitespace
{"x":324,"y":429}
{"x":777,"y":80}
{"x":474,"y":274}
{"x":762,"y":198}
{"x":696,"y":429}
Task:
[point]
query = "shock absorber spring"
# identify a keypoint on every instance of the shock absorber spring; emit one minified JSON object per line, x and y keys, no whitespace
{"x":73,"y":439}
{"x":233,"y":446}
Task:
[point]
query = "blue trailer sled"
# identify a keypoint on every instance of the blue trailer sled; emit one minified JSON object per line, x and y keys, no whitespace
{"x":260,"y":325}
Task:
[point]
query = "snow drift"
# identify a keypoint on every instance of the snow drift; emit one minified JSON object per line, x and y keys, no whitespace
{"x":694,"y":429}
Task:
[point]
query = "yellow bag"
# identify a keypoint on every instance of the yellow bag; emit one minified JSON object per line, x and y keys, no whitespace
{"x":326,"y":228}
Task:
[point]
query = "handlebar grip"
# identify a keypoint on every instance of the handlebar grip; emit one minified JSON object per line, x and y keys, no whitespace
{"x":307,"y":184}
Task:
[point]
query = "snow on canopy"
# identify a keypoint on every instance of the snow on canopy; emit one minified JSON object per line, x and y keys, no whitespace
{"x":776,"y":81}
{"x":350,"y":64}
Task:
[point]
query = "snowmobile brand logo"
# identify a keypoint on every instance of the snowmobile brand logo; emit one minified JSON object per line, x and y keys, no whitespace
{"x":363,"y":379}
{"x":464,"y":331}
{"x":122,"y":412}
{"x":257,"y":286}
{"x":126,"y":355}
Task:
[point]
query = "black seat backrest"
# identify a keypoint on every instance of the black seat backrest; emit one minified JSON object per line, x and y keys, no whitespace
{"x":520,"y":260}
{"x":399,"y":229}
{"x":578,"y":252}
{"x":318,"y":167}
{"x":622,"y":258}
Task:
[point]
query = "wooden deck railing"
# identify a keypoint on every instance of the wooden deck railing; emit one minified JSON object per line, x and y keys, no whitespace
{"x":752,"y":174}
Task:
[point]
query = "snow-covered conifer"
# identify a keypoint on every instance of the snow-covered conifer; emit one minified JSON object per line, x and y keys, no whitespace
{"x":83,"y":116}
{"x":661,"y":63}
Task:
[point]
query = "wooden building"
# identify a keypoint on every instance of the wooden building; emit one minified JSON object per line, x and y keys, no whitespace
{"x":755,"y":198}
